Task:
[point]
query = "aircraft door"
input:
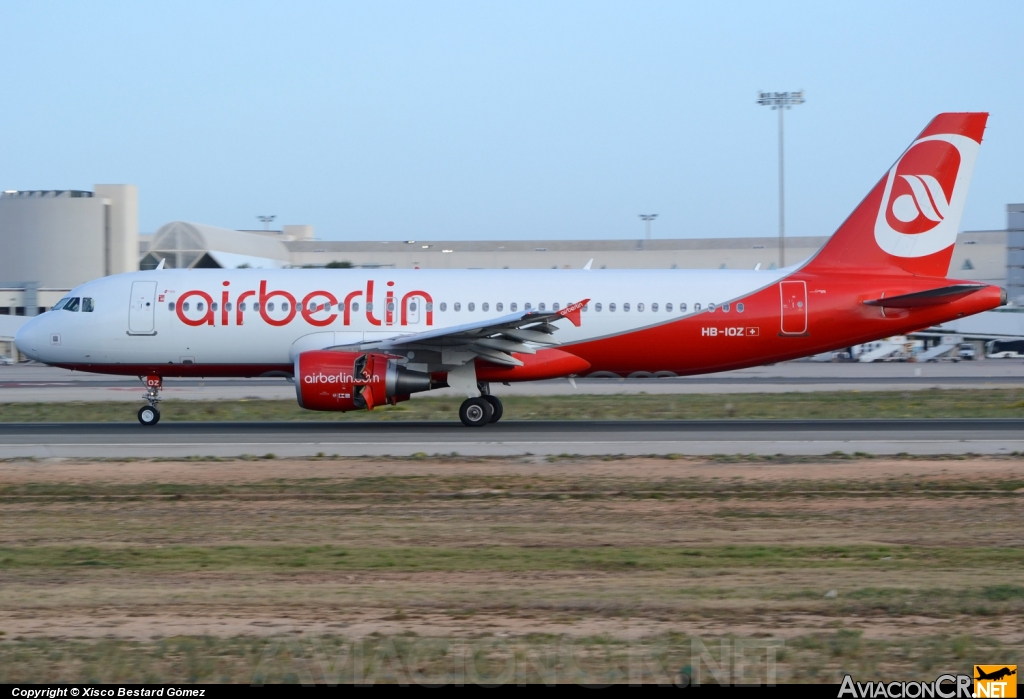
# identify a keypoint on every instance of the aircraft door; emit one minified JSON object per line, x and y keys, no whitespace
{"x":794,"y":307}
{"x":142,"y":309}
{"x":414,"y":310}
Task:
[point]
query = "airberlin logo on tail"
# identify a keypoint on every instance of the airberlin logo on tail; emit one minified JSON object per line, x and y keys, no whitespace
{"x":924,"y":196}
{"x":926,"y":204}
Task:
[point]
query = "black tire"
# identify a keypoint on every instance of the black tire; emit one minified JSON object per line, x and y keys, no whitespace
{"x":475,"y":412}
{"x":496,"y":405}
{"x":148,"y":415}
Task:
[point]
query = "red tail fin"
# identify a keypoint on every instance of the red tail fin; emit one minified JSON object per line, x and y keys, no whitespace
{"x":909,"y":221}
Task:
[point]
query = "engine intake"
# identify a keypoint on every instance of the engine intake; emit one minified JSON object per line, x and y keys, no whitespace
{"x":343,"y":381}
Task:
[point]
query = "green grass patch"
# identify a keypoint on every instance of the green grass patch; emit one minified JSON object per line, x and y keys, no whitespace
{"x":821,"y":405}
{"x":290,"y":658}
{"x":503,"y":558}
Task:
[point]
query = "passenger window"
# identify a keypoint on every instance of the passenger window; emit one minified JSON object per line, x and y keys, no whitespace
{"x":711,"y":307}
{"x":527,"y":306}
{"x":471,"y":306}
{"x":513,"y":306}
{"x":457,"y":306}
{"x":170,"y":306}
{"x":241,"y":306}
{"x":72,"y":305}
{"x":412,"y":305}
{"x":369,"y":306}
{"x":256,"y":307}
{"x":270,"y":306}
{"x":611,"y":308}
{"x":597,"y":307}
{"x":640,"y":308}
{"x":541,"y":307}
{"x":654,"y":308}
{"x":312,"y":305}
{"x":213,"y":306}
{"x":739,"y":308}
{"x":199,"y":306}
{"x":355,"y":306}
{"x":555,"y":306}
{"x":444,"y":306}
{"x":696,"y":307}
{"x":430,"y":306}
{"x":87,"y":305}
{"x":725,"y":308}
{"x":227,"y":306}
{"x":284,"y":306}
{"x":586,"y":307}
{"x":184,"y":306}
{"x":499,"y":306}
{"x":625,"y":308}
{"x":485,"y":306}
{"x":668,"y":307}
{"x":391,"y":306}
{"x":682,"y":308}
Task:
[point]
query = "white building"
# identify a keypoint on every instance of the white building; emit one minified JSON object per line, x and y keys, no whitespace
{"x":53,"y":240}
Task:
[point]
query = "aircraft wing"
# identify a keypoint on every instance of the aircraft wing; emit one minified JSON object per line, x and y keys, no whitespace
{"x":493,"y":340}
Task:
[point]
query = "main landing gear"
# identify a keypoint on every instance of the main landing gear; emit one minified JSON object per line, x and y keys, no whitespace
{"x":148,"y":414}
{"x":482,"y":410}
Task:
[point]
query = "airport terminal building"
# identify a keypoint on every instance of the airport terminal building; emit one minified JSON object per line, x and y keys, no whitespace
{"x":53,"y":240}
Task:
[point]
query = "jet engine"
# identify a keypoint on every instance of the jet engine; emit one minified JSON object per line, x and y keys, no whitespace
{"x":342,"y":381}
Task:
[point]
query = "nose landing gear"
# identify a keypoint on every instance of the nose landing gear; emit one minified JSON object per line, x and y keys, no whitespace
{"x":148,"y":414}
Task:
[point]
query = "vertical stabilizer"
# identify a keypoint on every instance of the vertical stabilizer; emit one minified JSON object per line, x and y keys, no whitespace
{"x":909,"y":220}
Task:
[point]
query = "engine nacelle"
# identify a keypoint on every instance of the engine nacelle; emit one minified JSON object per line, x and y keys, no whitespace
{"x":343,"y":381}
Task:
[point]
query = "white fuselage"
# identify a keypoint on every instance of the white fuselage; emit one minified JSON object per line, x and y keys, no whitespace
{"x":140,"y":317}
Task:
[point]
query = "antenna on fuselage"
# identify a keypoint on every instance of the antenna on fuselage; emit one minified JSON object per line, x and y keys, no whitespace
{"x":161,"y":265}
{"x":587,"y":266}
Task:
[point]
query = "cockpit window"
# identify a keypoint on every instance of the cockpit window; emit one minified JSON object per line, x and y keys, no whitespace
{"x":60,"y":304}
{"x":87,"y":305}
{"x":72,"y":304}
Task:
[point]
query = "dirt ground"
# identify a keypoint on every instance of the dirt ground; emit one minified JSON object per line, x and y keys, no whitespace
{"x":921,"y":554}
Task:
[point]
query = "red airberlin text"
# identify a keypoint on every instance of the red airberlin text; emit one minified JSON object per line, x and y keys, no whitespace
{"x":340,"y":377}
{"x":319,"y":308}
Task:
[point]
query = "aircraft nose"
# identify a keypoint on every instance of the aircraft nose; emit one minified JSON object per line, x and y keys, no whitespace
{"x":29,"y":338}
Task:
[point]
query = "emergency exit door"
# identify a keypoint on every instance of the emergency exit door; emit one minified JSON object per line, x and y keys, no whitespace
{"x":414,"y":310}
{"x":142,"y":309}
{"x":794,"y":307}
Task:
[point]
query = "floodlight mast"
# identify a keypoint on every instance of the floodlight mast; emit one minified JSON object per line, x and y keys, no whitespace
{"x":781,"y":101}
{"x":266,"y":221}
{"x":647,"y":218}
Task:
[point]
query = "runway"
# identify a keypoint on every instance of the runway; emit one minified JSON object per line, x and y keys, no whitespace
{"x":513,"y":438}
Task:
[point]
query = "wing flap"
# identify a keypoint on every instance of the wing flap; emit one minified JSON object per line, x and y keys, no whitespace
{"x":494,"y":339}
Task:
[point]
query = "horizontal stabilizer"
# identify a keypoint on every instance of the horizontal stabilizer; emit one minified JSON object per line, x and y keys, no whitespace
{"x":932,"y":297}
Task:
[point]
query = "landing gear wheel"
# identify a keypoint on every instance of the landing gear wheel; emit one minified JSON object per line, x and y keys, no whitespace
{"x":496,"y":406}
{"x":475,"y":412}
{"x":148,"y":415}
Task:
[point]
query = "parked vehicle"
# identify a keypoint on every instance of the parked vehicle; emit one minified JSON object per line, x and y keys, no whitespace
{"x":1004,"y":349}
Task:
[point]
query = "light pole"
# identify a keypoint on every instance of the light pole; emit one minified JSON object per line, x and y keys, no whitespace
{"x":266,"y":220}
{"x":781,"y":101}
{"x":647,"y":218}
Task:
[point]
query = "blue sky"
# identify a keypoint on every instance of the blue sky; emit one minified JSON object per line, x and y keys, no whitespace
{"x":426,"y":120}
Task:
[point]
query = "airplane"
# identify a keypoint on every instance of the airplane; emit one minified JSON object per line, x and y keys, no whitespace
{"x":995,"y":675}
{"x":354,"y":339}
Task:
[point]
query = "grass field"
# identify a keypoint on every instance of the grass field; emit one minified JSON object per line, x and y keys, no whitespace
{"x":497,"y":570}
{"x":838,"y":404}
